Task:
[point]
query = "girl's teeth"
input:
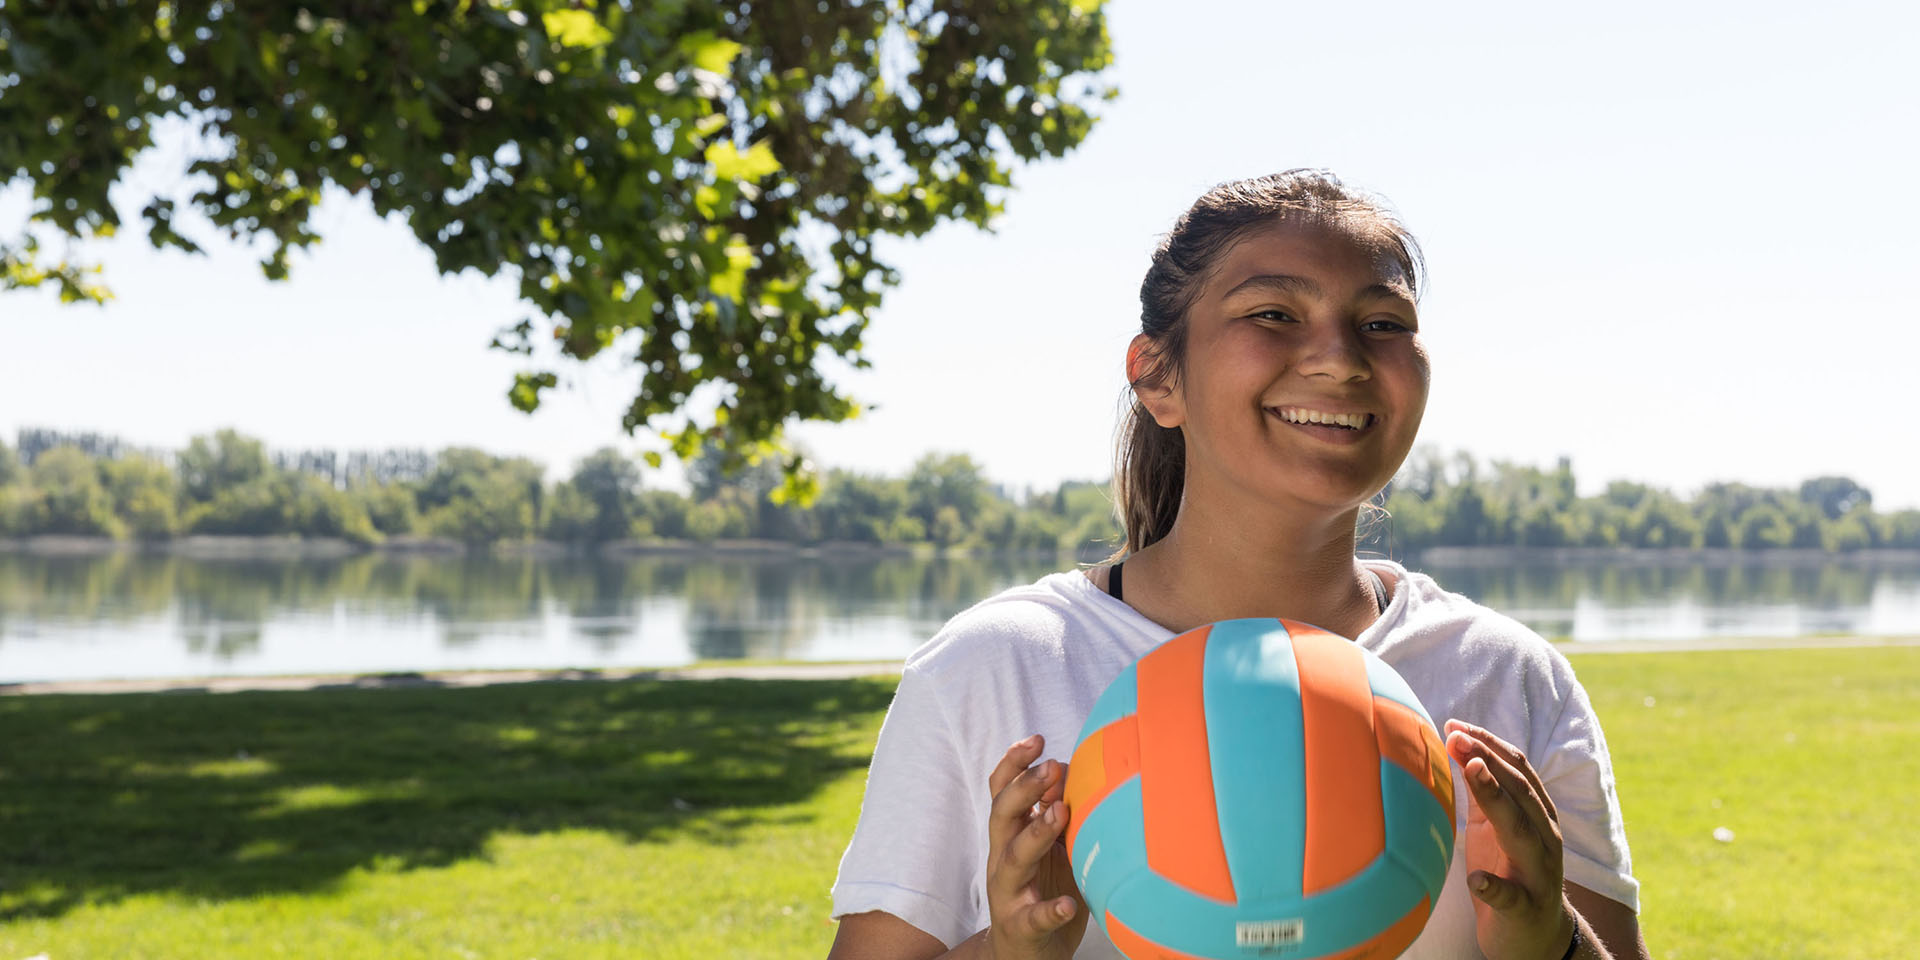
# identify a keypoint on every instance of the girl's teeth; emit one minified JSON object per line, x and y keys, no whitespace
{"x":1352,"y":421}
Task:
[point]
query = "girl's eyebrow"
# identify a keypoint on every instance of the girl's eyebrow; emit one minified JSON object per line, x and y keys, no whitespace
{"x":1277,"y":283}
{"x":1385,"y":291}
{"x":1305,"y":286}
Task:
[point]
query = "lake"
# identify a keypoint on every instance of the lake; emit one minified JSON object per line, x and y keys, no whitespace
{"x":131,"y":615}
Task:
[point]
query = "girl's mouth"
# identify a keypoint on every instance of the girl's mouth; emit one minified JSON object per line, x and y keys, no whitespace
{"x":1323,"y":419}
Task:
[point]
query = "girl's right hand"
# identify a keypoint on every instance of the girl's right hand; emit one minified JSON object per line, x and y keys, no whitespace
{"x":1035,"y":907}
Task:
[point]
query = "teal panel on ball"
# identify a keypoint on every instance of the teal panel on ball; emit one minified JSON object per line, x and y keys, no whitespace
{"x":1330,"y":921}
{"x":1110,"y":847}
{"x":1256,"y":739}
{"x":1386,"y":682}
{"x":1357,"y":909}
{"x":1173,"y":916}
{"x":1120,"y":699}
{"x":1419,"y":831}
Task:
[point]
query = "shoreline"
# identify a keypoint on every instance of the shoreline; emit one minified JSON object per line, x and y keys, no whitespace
{"x":334,"y":548}
{"x":759,"y":670}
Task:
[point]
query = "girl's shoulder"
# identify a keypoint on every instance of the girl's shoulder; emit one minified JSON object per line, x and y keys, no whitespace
{"x":1032,"y":624}
{"x":1467,"y":660}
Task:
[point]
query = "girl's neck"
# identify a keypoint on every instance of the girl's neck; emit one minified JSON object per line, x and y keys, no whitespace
{"x":1223,"y":564}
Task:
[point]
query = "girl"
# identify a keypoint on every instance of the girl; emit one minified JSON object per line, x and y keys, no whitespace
{"x":1278,"y":382}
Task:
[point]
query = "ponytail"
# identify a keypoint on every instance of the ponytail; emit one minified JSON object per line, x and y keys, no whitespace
{"x":1148,"y":476}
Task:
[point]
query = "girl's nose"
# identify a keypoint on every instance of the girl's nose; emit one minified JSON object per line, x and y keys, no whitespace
{"x":1336,"y":352}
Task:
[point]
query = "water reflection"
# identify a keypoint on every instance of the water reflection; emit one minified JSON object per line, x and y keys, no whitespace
{"x":1645,"y":601}
{"x":140,"y":615}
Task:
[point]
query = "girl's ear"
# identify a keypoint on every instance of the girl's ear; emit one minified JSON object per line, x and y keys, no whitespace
{"x":1157,"y":390}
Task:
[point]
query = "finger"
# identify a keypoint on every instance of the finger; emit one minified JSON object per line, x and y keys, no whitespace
{"x":1516,"y":835}
{"x":1030,"y":847}
{"x":1055,"y":791}
{"x":1526,"y":799}
{"x":1498,"y":892}
{"x":1012,"y":806}
{"x":1036,"y":920}
{"x":1515,"y":757}
{"x":1017,"y":758}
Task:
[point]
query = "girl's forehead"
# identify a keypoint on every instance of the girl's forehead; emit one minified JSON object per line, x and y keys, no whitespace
{"x":1334,"y":254}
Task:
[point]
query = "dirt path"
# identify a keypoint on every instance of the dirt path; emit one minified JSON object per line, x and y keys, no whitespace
{"x":774,"y":671}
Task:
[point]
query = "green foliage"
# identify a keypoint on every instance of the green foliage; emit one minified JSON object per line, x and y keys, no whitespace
{"x":698,"y":185}
{"x":389,"y":507}
{"x":223,"y":461}
{"x":488,"y":507}
{"x":600,"y":503}
{"x":9,"y":465}
{"x":69,"y":498}
{"x":1455,"y":501}
{"x":143,"y":494}
{"x":946,"y":492}
{"x":227,"y":484}
{"x":858,"y":507}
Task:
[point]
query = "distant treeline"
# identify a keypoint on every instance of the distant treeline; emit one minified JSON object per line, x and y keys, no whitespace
{"x":1457,"y":501}
{"x":227,"y":483}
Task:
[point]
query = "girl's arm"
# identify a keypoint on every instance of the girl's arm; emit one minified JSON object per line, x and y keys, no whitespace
{"x":883,"y":936}
{"x":1035,"y":909}
{"x":1611,"y":924}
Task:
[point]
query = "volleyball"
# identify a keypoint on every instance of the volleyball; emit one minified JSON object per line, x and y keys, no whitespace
{"x":1259,"y":788}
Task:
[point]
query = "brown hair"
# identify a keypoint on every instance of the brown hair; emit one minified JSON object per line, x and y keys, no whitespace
{"x":1150,"y":460}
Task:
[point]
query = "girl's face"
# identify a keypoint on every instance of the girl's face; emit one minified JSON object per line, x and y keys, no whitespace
{"x":1305,"y":378}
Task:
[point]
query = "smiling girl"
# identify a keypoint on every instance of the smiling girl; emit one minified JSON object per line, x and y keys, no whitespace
{"x":1278,"y":381}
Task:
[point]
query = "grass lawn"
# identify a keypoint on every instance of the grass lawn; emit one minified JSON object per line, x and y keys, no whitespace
{"x":705,"y":818}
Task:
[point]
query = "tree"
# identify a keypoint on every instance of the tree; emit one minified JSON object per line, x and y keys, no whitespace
{"x":1834,"y":497}
{"x":600,"y":502}
{"x":950,"y":480}
{"x":9,"y":465}
{"x":223,"y":461}
{"x":142,"y":491}
{"x":697,"y":184}
{"x":69,"y":496}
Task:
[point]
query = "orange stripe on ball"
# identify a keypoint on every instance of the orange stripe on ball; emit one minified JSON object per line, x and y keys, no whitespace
{"x":1137,"y":947}
{"x":1406,"y":740}
{"x":1107,"y":758}
{"x":1345,"y":827}
{"x":1388,"y":943}
{"x":1176,"y":771}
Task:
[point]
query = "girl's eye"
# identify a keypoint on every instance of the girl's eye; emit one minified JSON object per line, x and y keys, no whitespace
{"x":1277,"y":316}
{"x":1383,"y":325}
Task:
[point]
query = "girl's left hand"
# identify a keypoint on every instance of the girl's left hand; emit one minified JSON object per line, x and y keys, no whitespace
{"x":1514,"y":865}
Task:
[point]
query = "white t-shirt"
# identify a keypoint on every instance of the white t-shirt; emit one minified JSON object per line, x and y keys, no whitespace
{"x":1033,"y":659}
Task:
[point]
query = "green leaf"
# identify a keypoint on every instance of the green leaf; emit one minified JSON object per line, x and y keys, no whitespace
{"x":731,"y":283}
{"x":653,"y":458}
{"x":706,"y":200}
{"x":525,"y":393}
{"x":709,"y":51}
{"x":730,"y":164}
{"x":575,"y":28}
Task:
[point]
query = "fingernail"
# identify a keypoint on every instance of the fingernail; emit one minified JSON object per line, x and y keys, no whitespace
{"x":1053,"y":813}
{"x":1030,"y":740}
{"x":1479,"y":881}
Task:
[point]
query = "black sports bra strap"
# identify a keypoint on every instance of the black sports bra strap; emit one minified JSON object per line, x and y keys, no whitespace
{"x":1380,"y":595}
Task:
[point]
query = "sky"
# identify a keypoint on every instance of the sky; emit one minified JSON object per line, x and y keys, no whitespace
{"x":1673,"y":242}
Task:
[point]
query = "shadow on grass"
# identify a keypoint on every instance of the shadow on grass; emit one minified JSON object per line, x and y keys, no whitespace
{"x":242,"y":794}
